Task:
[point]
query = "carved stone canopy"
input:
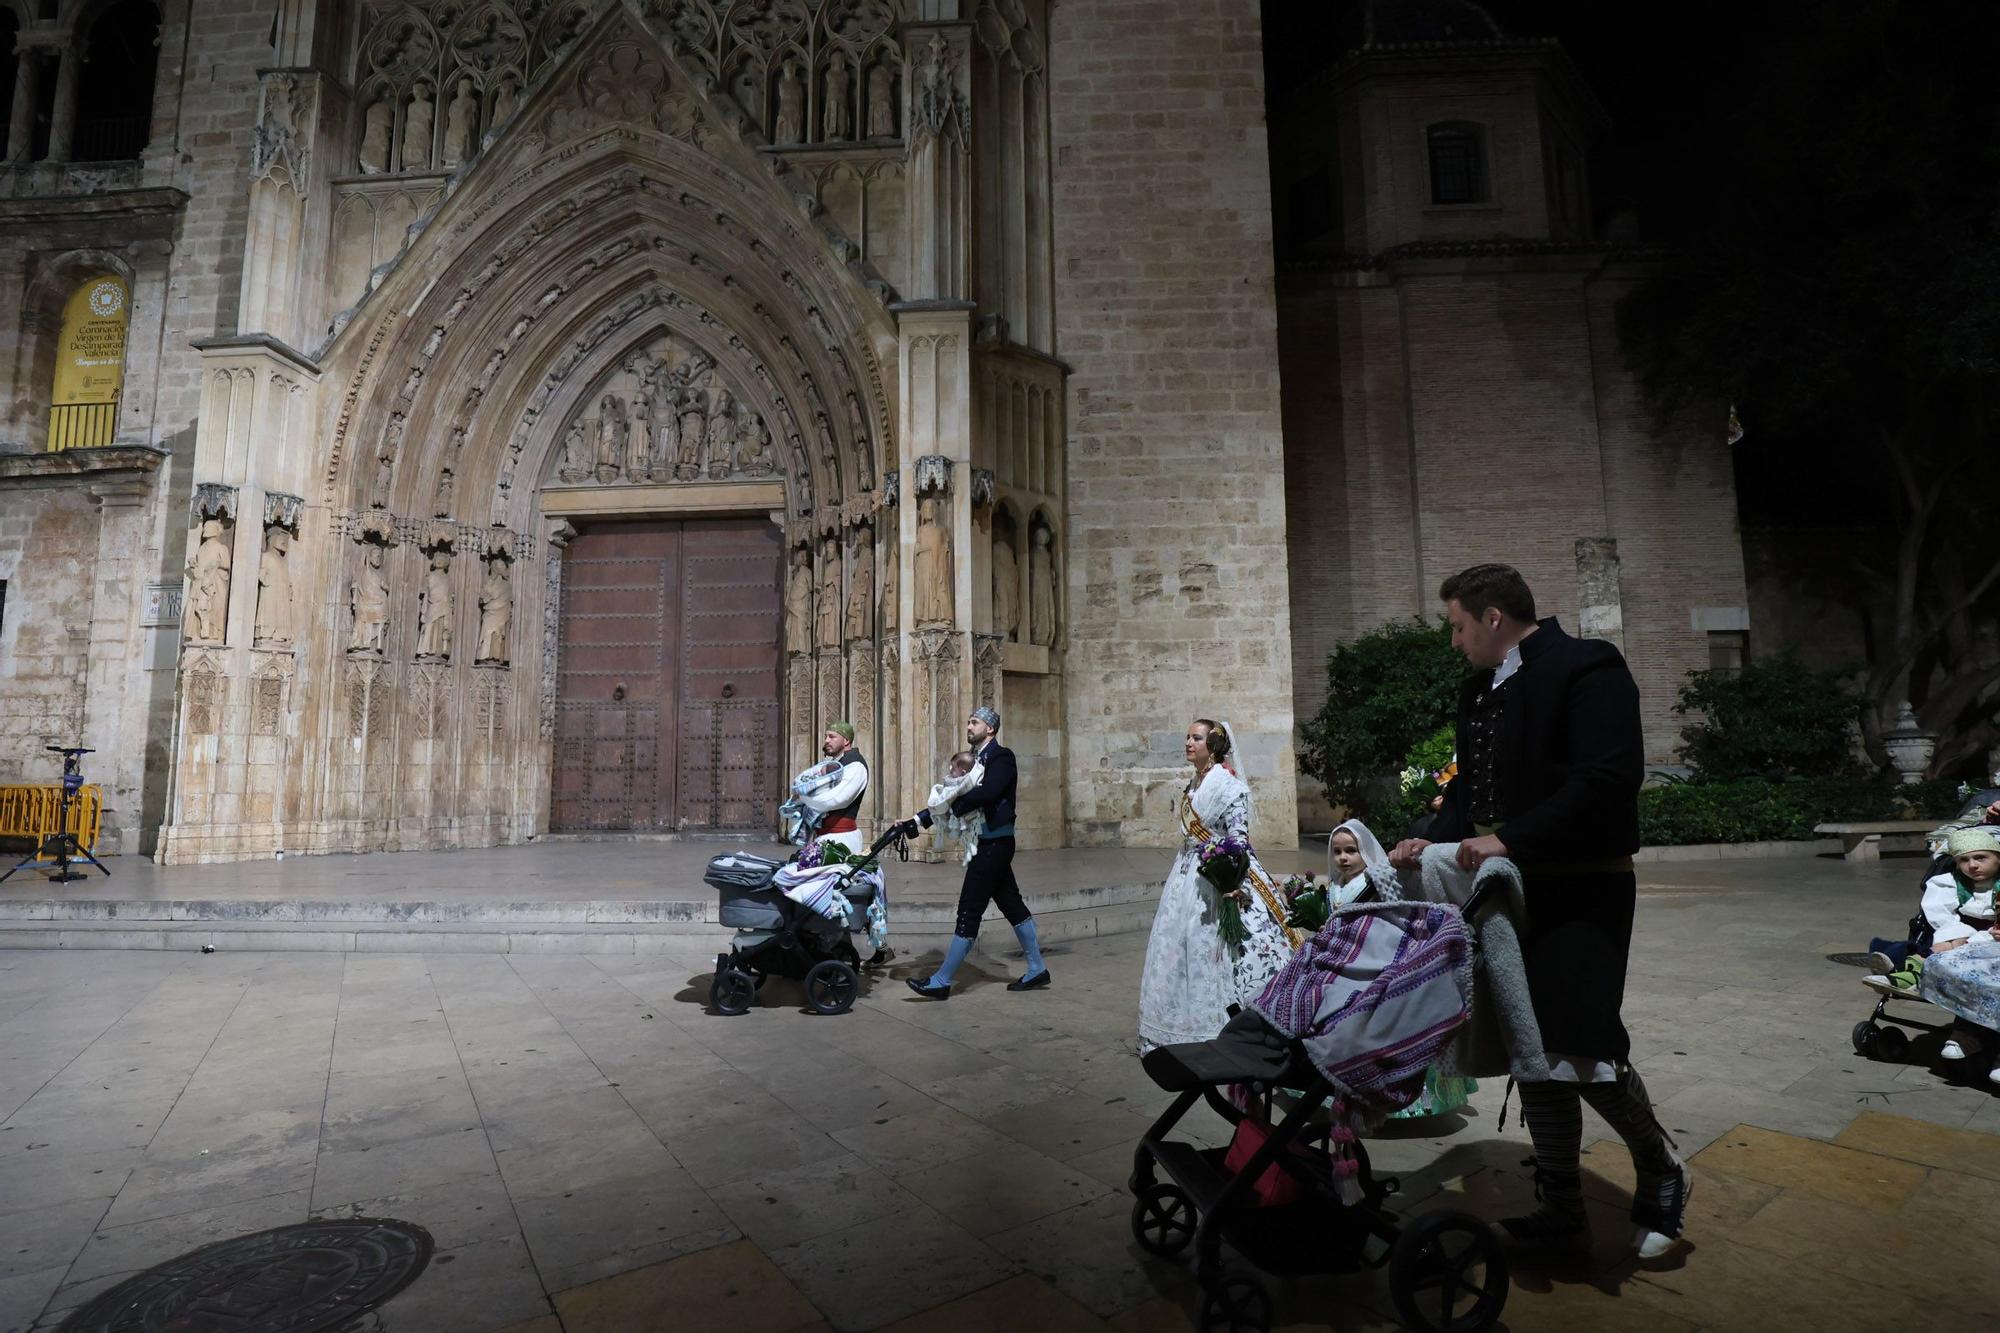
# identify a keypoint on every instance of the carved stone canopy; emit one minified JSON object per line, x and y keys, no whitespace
{"x":373,"y":526}
{"x":214,"y":500}
{"x":283,"y":510}
{"x":982,"y":487}
{"x":933,"y":475}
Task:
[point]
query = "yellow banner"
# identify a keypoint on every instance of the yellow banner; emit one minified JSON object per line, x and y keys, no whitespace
{"x":90,"y":358}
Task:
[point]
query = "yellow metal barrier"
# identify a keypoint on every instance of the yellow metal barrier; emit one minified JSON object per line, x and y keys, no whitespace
{"x":33,"y":811}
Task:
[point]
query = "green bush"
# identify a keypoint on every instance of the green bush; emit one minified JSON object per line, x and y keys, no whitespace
{"x":1760,"y":810}
{"x":1392,"y":813}
{"x":1386,"y":691}
{"x":1774,"y":718}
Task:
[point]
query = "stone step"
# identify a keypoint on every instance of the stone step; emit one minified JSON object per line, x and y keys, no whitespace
{"x":474,"y":927}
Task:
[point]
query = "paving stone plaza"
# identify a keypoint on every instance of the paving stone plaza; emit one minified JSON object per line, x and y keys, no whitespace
{"x":593,"y":1150}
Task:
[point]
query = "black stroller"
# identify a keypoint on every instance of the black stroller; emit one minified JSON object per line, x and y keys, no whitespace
{"x":1447,"y":1270}
{"x":778,"y":937}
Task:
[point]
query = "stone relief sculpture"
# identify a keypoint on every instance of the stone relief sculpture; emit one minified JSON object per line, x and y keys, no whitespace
{"x":496,"y":613}
{"x":861,"y":589}
{"x":932,"y":574}
{"x":377,"y":126}
{"x":839,"y":89}
{"x":798,"y":602}
{"x":639,"y":444}
{"x":791,"y":126}
{"x":1006,"y":589}
{"x":461,"y":126}
{"x":274,"y":591}
{"x":611,"y":435}
{"x":385,"y":476}
{"x":829,"y":592}
{"x":881,"y":103}
{"x":575,"y":453}
{"x":722,"y":435}
{"x":443,"y":505}
{"x":892,"y":580}
{"x":694,"y":430}
{"x":368,"y":606}
{"x":208,"y":585}
{"x":1042,"y":589}
{"x":434,"y":606}
{"x":504,"y":99}
{"x":753,"y":447}
{"x":417,"y":123}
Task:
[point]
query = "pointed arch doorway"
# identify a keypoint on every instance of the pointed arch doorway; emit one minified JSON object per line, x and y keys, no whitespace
{"x":668,"y":714}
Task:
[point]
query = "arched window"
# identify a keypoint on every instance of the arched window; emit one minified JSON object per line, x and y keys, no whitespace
{"x":90,"y":364}
{"x":1458,"y":163}
{"x":121,"y":54}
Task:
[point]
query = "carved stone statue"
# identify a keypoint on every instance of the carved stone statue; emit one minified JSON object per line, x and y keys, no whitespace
{"x":753,"y":446}
{"x":434,"y":606}
{"x":1042,"y":589}
{"x":892,"y":577}
{"x":829,"y":592}
{"x":798,"y":602}
{"x":933,"y":564}
{"x":385,"y":476}
{"x":1006,"y":589}
{"x":461,"y":126}
{"x":791,"y":125}
{"x":274,"y":591}
{"x":379,"y":123}
{"x":639,"y":448}
{"x":839,"y":92}
{"x":368,"y":606}
{"x":208,"y":584}
{"x":694,"y":433}
{"x":881,"y":103}
{"x":443,"y":505}
{"x":722,"y":435}
{"x":417,"y":124}
{"x":575,"y":453}
{"x":496,"y":613}
{"x":861,"y":589}
{"x":611,"y":434}
{"x":503,"y":100}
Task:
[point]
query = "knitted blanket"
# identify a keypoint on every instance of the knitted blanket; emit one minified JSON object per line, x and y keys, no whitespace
{"x":1502,"y":1035}
{"x":1372,"y":999}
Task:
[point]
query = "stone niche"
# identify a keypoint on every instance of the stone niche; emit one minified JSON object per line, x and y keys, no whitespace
{"x":664,"y":415}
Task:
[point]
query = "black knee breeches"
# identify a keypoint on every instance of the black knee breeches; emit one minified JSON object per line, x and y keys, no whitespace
{"x":989,"y":878}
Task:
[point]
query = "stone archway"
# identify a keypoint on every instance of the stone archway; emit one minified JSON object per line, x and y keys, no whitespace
{"x":620,"y":216}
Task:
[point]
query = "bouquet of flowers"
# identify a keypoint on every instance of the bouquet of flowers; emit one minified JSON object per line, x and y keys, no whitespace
{"x":1306,"y":904}
{"x":1225,"y":862}
{"x":1427,"y":785}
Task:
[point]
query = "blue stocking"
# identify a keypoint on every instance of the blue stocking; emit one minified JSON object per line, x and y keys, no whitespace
{"x":1032,"y":946}
{"x":961,"y":945}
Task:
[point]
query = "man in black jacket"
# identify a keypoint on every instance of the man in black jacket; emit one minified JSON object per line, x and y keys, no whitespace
{"x":1550,"y":761}
{"x":989,"y":876}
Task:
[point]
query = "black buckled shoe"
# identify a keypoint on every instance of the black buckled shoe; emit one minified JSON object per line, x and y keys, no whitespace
{"x":1036,"y":982}
{"x":927,"y":990}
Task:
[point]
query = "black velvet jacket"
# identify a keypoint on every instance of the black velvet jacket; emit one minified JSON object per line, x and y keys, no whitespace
{"x":1570,"y":755}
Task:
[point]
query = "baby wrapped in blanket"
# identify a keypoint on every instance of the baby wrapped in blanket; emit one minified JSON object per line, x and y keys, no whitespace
{"x":962,"y":777}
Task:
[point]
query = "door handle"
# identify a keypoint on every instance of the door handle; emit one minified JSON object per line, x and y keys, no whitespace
{"x":729,"y":689}
{"x":618,"y":692}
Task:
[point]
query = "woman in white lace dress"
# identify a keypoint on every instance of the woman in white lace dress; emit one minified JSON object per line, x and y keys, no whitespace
{"x":1191,"y":977}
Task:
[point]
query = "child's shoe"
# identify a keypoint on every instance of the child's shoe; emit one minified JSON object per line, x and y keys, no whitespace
{"x":1952,"y":1050}
{"x":1658,"y":1225}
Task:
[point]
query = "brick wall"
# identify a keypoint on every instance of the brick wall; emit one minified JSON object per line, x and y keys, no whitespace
{"x":1165,"y":311}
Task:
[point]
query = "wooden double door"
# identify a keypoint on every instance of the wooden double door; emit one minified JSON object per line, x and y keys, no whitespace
{"x":668,"y":676}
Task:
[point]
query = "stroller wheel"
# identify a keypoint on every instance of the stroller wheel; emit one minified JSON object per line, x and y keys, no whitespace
{"x":1864,"y":1037}
{"x":1448,"y":1274}
{"x":732,"y":991}
{"x":1891,"y":1044}
{"x":1163,"y":1221}
{"x":1236,"y":1304}
{"x":831,"y":987}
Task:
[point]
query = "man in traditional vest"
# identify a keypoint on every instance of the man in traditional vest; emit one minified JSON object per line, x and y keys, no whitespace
{"x":1550,"y":757}
{"x":839,"y":803}
{"x":989,"y":875}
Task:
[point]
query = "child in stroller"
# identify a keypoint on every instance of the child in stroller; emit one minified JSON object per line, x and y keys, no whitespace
{"x":1348,"y":1027}
{"x":1957,"y":911}
{"x":795,"y":919}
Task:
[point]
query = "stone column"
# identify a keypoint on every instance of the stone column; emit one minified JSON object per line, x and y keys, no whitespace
{"x":1599,"y":599}
{"x":27,"y":83}
{"x":110,"y":714}
{"x":62,"y":129}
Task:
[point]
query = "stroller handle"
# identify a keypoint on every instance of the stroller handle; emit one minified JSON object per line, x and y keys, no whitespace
{"x":893,"y":835}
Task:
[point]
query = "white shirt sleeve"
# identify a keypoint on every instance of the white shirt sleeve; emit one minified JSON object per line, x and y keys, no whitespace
{"x":1941,"y":909}
{"x":853,"y":781}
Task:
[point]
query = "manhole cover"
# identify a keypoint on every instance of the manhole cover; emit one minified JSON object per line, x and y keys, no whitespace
{"x":317,"y":1275}
{"x":1849,"y":959}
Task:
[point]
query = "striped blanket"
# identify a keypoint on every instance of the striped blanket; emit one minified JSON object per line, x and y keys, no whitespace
{"x":1374,"y":998}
